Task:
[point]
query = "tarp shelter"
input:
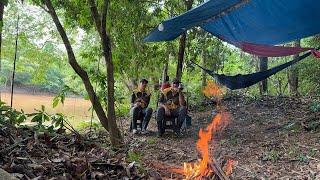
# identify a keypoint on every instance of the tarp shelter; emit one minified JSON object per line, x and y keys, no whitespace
{"x":253,"y":21}
{"x":255,"y":26}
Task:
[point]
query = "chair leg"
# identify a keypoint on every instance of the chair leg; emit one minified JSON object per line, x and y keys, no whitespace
{"x":163,"y":128}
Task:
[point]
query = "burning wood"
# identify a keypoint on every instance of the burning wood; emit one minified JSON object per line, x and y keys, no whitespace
{"x":218,"y":172}
{"x":208,"y":167}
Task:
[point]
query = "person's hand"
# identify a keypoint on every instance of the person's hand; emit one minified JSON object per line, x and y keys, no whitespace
{"x":175,"y":90}
{"x":138,"y":104}
{"x":167,"y":111}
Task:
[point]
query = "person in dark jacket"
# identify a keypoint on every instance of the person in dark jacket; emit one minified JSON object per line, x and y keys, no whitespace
{"x":140,"y":99}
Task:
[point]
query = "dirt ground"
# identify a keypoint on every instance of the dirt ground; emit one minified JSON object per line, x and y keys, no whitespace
{"x":271,"y":138}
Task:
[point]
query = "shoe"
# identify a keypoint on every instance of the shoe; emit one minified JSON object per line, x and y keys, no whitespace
{"x":144,"y":132}
{"x":134,"y":131}
{"x":178,"y":133}
{"x":159,"y":134}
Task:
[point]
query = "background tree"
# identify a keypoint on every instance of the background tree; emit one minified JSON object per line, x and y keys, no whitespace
{"x":263,"y":66}
{"x":293,"y":74}
{"x":182,"y":45}
{"x":100,"y":21}
{"x":2,"y":4}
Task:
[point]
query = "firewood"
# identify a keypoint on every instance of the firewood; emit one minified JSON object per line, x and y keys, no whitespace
{"x":218,"y":171}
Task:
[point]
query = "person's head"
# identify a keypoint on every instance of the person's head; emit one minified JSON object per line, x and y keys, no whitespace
{"x":175,"y":84}
{"x":143,"y":84}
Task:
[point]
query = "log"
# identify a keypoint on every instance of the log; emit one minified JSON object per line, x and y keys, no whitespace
{"x":218,"y":171}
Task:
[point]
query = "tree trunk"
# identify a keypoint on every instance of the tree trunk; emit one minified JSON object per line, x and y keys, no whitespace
{"x":165,"y":70}
{"x":203,"y":73}
{"x":182,"y":46}
{"x":77,"y":68}
{"x":2,"y":3}
{"x":115,"y":135}
{"x":263,"y":85}
{"x":293,"y":74}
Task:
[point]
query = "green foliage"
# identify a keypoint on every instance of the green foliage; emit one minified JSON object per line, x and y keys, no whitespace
{"x":58,"y":119}
{"x":296,"y":154}
{"x":61,"y":96}
{"x":95,"y":125}
{"x":40,"y":116}
{"x":315,"y":106}
{"x":303,"y":158}
{"x":122,"y":109}
{"x":293,"y":152}
{"x":135,"y":156}
{"x":273,"y":155}
{"x":152,"y":141}
{"x":14,"y":117}
{"x":10,"y":115}
{"x":58,"y":98}
{"x":233,"y":139}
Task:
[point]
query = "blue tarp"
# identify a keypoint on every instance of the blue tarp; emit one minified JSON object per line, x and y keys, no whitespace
{"x":177,"y":25}
{"x":267,"y":22}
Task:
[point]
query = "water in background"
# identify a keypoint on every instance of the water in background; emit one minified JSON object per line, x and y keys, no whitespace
{"x":77,"y":109}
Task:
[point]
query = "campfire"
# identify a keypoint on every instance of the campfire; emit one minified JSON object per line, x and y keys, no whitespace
{"x":207,"y":166}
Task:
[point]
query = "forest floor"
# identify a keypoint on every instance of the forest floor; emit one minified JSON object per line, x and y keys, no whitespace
{"x":270,"y":138}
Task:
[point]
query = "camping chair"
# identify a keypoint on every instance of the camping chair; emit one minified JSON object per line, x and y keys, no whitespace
{"x":169,"y":122}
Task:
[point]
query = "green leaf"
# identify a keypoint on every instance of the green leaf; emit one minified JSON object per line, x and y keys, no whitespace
{"x":55,"y":102}
{"x":50,"y":129}
{"x":42,"y":108}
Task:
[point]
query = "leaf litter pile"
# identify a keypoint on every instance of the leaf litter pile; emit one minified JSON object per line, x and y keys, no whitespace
{"x":27,"y":156}
{"x":270,"y":138}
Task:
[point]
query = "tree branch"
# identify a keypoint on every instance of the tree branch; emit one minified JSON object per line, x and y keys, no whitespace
{"x":104,"y":15}
{"x":95,"y":14}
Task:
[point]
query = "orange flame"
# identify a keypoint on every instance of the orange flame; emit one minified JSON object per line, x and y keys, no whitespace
{"x":200,"y":169}
{"x":212,"y":89}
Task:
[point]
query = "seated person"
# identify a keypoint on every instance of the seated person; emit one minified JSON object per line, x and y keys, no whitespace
{"x":140,"y":99}
{"x":171,"y":104}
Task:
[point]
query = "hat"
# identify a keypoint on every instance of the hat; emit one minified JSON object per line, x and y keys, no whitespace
{"x":144,"y":80}
{"x":175,"y":81}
